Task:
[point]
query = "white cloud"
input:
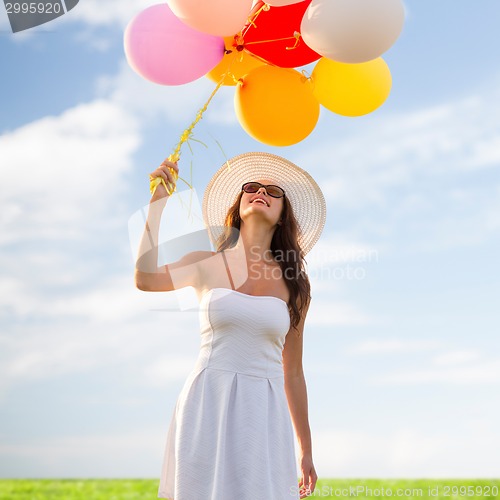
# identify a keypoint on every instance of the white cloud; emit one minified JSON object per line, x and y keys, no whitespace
{"x":342,"y":248}
{"x":338,"y":258}
{"x":407,"y":452}
{"x":453,"y":366}
{"x":177,"y":104}
{"x":446,"y":139}
{"x":81,"y":344}
{"x":64,"y":179}
{"x":416,"y":165}
{"x":60,"y":173}
{"x":334,"y":313}
{"x":333,"y":262}
{"x":393,"y":346}
{"x":456,"y":357}
{"x":133,"y":453}
{"x":94,"y":13}
{"x":484,"y":372}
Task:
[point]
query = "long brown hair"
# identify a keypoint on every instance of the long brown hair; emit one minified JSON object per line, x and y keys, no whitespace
{"x":285,"y":249}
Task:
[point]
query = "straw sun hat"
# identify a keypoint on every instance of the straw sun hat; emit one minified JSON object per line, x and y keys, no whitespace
{"x":303,"y":192}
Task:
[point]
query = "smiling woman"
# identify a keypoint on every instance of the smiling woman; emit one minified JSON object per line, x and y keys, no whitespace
{"x":263,"y":214}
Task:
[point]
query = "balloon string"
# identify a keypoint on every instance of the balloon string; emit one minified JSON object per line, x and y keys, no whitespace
{"x":251,"y":20}
{"x":261,"y":59}
{"x":295,"y":37}
{"x":236,"y":55}
{"x":185,"y":136}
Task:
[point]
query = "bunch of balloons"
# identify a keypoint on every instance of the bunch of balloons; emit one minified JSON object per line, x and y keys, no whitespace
{"x":257,"y":46}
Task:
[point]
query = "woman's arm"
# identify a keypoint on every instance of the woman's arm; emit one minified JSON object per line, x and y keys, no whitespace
{"x":146,"y":266}
{"x":147,"y":260}
{"x":296,"y":392}
{"x":148,"y":276}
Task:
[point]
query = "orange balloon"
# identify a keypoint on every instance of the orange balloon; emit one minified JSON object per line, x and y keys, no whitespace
{"x":276,"y":105}
{"x":233,"y":65}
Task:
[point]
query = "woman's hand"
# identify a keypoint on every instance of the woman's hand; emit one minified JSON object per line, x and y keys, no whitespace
{"x":309,"y":477}
{"x":169,"y":171}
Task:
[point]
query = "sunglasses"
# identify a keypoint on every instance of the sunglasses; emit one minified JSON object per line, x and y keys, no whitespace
{"x":271,"y":189}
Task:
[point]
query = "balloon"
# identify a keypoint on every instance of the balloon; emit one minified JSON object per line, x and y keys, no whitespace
{"x":239,"y":63}
{"x":164,"y":50}
{"x":351,"y":89}
{"x":279,"y":22}
{"x":276,"y":106}
{"x":352,"y":31}
{"x":281,"y":3}
{"x":216,"y":17}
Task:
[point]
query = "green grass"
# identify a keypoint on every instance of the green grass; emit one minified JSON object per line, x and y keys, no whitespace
{"x":142,"y":489}
{"x":427,"y":489}
{"x":78,"y":489}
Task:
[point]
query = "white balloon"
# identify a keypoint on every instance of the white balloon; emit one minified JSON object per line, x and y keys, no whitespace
{"x":352,"y":31}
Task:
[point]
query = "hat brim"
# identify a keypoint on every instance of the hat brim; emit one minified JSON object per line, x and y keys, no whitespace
{"x":303,"y":192}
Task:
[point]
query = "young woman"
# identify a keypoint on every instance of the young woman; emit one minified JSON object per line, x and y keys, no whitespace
{"x":231,"y":435}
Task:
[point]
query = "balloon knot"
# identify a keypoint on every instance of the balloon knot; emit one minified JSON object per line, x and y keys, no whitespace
{"x":296,"y":35}
{"x":305,"y":76}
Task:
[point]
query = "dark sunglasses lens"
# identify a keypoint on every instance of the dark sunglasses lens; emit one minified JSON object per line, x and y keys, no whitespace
{"x":275,"y":191}
{"x":251,"y":187}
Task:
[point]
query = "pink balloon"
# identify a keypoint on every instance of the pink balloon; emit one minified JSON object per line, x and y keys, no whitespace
{"x":164,"y":50}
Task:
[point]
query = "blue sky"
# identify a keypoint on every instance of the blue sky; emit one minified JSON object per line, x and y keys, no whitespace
{"x":401,"y":352}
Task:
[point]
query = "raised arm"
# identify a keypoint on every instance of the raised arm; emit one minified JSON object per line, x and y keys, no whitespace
{"x":148,"y":276}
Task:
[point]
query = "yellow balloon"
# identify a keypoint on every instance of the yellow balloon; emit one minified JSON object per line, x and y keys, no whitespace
{"x":238,"y":63}
{"x":276,"y":105}
{"x":351,"y":89}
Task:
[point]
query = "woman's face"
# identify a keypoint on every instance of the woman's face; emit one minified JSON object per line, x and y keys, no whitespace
{"x":270,"y":210}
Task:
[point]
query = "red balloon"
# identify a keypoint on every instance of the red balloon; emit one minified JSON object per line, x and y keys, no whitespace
{"x":273,"y":24}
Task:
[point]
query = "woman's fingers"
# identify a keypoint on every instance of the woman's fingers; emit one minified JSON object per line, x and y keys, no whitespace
{"x":314,"y":479}
{"x":166,"y":175}
{"x":168,"y":171}
{"x":172,"y":165}
{"x":307,"y":482}
{"x":171,"y":169}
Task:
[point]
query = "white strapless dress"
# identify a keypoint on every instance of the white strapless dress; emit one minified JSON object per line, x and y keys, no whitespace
{"x":231,"y":434}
